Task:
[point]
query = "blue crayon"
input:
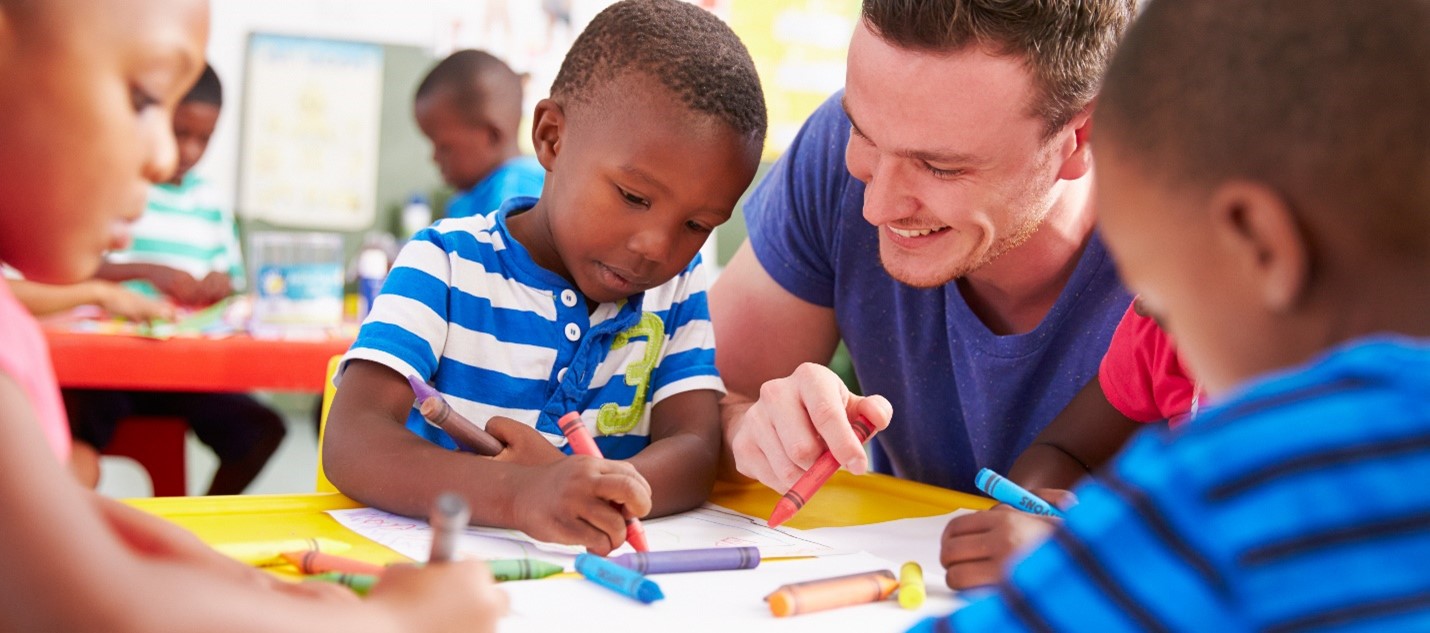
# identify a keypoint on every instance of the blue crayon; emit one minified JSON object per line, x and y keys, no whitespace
{"x":619,"y":579}
{"x":1004,"y":490}
{"x":677,"y":561}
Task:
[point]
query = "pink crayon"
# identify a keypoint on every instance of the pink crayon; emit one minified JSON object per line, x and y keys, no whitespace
{"x":464,"y":432}
{"x":583,"y":444}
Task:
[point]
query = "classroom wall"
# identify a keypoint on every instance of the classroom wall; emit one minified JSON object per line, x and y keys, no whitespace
{"x":798,"y":46}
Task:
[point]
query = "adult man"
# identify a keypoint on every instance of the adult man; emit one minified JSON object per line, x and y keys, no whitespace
{"x":937,"y":217}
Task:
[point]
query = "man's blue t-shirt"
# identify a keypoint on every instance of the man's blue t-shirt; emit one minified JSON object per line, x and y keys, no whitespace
{"x":520,"y":176}
{"x":964,"y":398}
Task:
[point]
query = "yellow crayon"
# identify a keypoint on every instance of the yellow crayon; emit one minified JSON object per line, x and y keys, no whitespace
{"x":818,"y":595}
{"x":911,"y":586}
{"x":270,"y":553}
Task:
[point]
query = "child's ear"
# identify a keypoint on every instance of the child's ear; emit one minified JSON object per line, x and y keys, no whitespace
{"x":1263,"y":237}
{"x":1077,"y":155}
{"x":547,"y":125}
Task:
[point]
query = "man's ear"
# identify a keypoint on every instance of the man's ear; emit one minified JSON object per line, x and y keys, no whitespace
{"x":1076,"y":154}
{"x":1255,"y":226}
{"x":548,"y":123}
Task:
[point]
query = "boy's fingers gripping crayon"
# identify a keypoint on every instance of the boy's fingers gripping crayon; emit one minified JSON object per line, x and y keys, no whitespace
{"x":619,"y":579}
{"x":438,"y":413}
{"x":678,"y":561}
{"x":583,"y":444}
{"x":448,"y":519}
{"x":911,"y":586}
{"x":359,"y":583}
{"x":810,"y":482}
{"x":522,"y":569}
{"x":270,"y":553}
{"x":1004,"y":490}
{"x":311,"y":562}
{"x":818,"y":595}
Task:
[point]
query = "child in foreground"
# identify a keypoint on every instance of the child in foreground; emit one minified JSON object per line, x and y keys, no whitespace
{"x":590,"y":299}
{"x":1261,"y":181}
{"x":85,"y":129}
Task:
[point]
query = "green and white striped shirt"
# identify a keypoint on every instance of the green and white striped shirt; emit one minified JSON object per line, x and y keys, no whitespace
{"x":185,"y":228}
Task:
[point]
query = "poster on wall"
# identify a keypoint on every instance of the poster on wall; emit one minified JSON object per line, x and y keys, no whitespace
{"x":310,"y":127}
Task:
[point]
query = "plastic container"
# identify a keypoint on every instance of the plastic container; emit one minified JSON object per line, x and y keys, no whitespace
{"x":298,"y":283}
{"x":416,"y":215}
{"x":372,"y":266}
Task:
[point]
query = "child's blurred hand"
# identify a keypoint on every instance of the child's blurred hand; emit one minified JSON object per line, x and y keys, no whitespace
{"x":213,"y":288}
{"x":177,"y":284}
{"x":977,"y":547}
{"x":122,"y":302}
{"x":579,"y":500}
{"x":524,"y":444}
{"x":456,"y":596}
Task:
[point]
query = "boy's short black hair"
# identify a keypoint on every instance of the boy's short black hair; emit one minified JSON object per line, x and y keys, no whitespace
{"x":1327,"y":101}
{"x":479,"y":82}
{"x":207,"y":89}
{"x":686,"y":48}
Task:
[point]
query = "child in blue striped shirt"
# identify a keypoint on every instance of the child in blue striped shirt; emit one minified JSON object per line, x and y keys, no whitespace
{"x":589,"y":299}
{"x":1262,"y":180}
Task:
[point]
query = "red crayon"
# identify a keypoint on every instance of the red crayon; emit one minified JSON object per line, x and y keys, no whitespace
{"x":813,"y":478}
{"x":583,"y":444}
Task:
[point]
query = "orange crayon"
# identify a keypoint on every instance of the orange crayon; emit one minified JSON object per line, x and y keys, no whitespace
{"x":311,"y":562}
{"x":583,"y":444}
{"x":840,"y":591}
{"x":810,"y":482}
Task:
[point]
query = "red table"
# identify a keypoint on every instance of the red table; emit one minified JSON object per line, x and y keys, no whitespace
{"x":234,"y":363}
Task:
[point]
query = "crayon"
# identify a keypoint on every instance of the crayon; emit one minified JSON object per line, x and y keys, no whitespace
{"x":522,"y":569}
{"x":311,"y":562}
{"x":840,"y":591}
{"x":1004,"y":490}
{"x":359,"y":583}
{"x":448,"y":520}
{"x":810,"y":482}
{"x":464,"y":432}
{"x":677,"y":561}
{"x":270,"y":553}
{"x":583,"y":444}
{"x":619,"y":579}
{"x":911,"y":586}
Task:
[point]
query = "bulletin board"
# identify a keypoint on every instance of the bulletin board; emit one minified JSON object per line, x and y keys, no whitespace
{"x":310,"y":132}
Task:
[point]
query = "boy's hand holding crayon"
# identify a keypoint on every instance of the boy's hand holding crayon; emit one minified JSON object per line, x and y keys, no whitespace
{"x":523,"y":444}
{"x":975,"y":548}
{"x":577,"y":500}
{"x":452,"y":596}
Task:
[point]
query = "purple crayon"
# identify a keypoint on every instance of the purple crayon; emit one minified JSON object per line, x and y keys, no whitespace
{"x":677,"y":561}
{"x":438,"y":413}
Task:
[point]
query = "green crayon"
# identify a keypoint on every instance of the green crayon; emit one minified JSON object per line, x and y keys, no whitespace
{"x":359,"y":583}
{"x":522,"y":569}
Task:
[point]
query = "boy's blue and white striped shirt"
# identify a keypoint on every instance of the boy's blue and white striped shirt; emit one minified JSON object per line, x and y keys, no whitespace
{"x":467,"y":309}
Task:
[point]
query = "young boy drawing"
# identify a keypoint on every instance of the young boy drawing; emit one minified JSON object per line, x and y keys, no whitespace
{"x":1261,"y":181}
{"x":185,"y":248}
{"x":469,"y":106}
{"x":79,"y":145}
{"x":589,"y":299}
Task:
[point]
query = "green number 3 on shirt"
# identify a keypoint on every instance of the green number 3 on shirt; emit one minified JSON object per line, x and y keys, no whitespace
{"x":612,"y":418}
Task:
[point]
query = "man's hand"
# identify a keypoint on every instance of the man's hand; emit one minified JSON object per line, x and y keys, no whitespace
{"x":795,"y":420}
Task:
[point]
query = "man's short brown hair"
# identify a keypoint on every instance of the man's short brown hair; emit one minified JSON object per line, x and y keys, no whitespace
{"x":1327,"y":101}
{"x":1065,"y":44}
